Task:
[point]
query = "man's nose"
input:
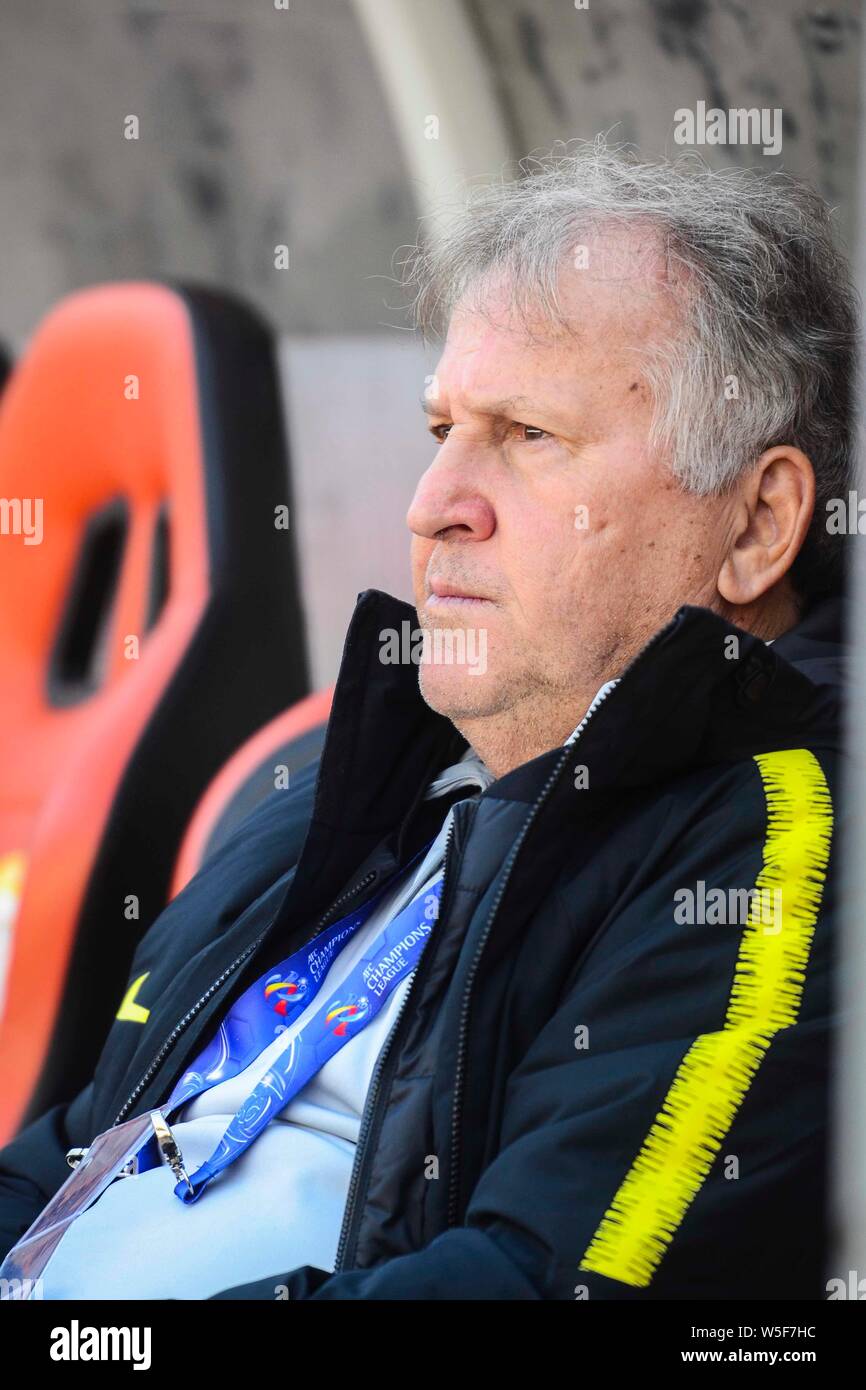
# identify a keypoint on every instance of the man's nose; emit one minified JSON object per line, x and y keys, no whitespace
{"x":448,"y":495}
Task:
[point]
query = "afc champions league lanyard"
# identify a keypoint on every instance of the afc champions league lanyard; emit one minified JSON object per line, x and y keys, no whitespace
{"x":268,"y":1007}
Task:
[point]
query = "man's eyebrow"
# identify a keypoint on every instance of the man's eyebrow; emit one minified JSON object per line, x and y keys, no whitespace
{"x":501,"y":407}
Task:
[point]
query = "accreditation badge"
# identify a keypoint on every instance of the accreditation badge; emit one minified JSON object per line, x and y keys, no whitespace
{"x":111,"y":1155}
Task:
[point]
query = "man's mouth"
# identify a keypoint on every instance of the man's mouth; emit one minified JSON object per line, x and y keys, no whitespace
{"x":443,"y":594}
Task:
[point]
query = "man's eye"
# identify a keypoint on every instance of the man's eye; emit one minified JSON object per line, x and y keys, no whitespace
{"x":533,"y":433}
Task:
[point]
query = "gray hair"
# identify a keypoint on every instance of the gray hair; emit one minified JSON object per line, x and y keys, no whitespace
{"x":767,"y":309}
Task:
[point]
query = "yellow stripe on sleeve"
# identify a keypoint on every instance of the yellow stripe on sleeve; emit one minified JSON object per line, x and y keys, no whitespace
{"x":714,"y":1076}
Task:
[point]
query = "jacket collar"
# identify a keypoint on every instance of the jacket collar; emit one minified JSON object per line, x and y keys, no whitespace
{"x":684,"y":701}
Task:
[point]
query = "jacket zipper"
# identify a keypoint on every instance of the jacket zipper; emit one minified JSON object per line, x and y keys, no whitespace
{"x":179,"y":1028}
{"x":460,"y":1068}
{"x":373,"y":1089}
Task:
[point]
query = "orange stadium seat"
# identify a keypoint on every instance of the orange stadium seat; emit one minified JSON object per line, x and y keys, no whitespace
{"x":149,"y":622}
{"x":265,"y":762}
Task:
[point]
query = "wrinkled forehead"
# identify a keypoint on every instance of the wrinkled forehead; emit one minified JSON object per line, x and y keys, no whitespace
{"x":613,"y":298}
{"x":613,"y":279}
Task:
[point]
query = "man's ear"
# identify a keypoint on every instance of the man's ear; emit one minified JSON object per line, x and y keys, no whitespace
{"x":771,"y":516}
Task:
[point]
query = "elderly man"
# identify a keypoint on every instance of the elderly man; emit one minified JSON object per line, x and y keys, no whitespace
{"x":524,"y":991}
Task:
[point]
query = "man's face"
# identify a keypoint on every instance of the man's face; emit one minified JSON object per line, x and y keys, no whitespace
{"x":543,"y":520}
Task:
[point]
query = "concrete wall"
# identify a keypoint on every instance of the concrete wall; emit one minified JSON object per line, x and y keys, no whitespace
{"x":258,"y":127}
{"x":627,"y":65}
{"x":359,"y":444}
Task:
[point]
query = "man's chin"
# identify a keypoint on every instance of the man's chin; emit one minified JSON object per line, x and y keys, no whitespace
{"x":456,"y":693}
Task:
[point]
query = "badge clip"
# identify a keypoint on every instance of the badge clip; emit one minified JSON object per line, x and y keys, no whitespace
{"x":169,"y":1148}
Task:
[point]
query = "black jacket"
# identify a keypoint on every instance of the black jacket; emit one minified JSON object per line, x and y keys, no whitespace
{"x":585,"y":1094}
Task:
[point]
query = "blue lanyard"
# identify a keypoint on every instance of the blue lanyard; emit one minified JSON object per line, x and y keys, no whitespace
{"x":268,"y":1007}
